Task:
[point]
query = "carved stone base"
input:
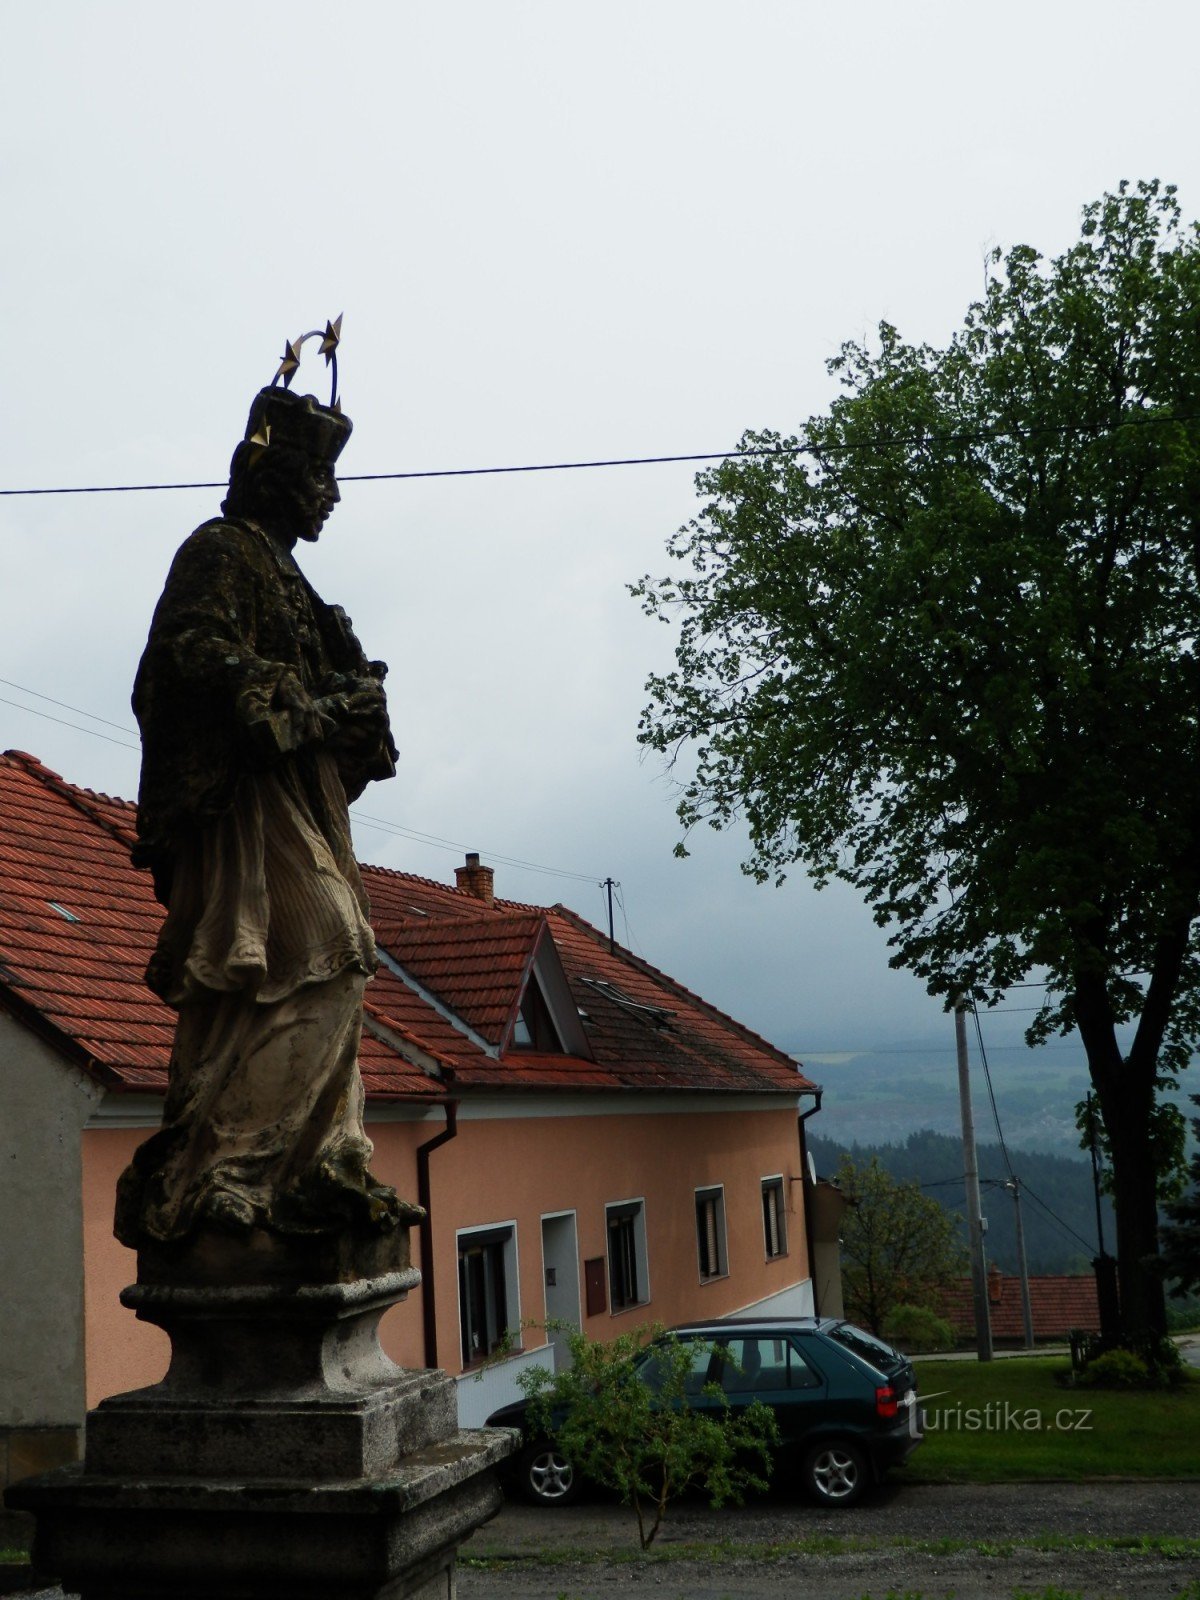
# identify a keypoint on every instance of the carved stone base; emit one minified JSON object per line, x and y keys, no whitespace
{"x":283,"y":1455}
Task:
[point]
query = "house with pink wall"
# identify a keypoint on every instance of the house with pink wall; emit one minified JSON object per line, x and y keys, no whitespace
{"x":594,"y":1145}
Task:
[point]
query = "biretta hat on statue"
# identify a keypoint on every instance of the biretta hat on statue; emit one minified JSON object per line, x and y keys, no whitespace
{"x":297,"y":422}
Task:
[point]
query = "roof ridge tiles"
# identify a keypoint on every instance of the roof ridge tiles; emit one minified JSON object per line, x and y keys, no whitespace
{"x":89,"y":801}
{"x":466,"y":896}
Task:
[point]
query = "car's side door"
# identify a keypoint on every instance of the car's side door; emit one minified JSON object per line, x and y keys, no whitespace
{"x":771,"y":1368}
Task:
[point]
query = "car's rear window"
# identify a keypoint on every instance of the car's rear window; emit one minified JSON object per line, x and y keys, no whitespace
{"x":872,"y":1350}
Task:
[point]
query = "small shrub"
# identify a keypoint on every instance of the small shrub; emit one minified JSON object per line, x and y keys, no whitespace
{"x":917,"y":1330}
{"x":621,"y":1415}
{"x":1117,"y":1369}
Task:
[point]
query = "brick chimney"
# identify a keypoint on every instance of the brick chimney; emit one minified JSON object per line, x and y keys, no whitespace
{"x":475,"y":879}
{"x":995,"y":1278}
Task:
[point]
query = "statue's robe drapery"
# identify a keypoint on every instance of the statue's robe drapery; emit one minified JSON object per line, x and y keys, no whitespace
{"x":266,"y":944}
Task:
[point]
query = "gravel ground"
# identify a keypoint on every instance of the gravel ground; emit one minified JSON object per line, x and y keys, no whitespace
{"x":1000,"y":1514}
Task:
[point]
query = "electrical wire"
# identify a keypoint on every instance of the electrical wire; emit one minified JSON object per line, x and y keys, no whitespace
{"x":121,"y":727}
{"x":987,"y":1075}
{"x":630,"y":942}
{"x":63,"y":723}
{"x":883,"y":441}
{"x":380,"y":824}
{"x":1054,"y":1216}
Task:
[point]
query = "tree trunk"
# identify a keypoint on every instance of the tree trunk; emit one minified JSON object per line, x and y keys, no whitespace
{"x":1126,"y":1105}
{"x":1125,"y":1090}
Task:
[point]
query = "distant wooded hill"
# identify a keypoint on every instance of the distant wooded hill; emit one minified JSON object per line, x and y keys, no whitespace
{"x":1057,"y":1204}
{"x":873,"y":1095}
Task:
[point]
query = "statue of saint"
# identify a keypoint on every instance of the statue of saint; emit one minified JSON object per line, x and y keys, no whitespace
{"x":261,"y":720}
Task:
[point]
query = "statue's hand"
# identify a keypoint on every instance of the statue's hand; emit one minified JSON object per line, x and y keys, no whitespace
{"x":357,"y":713}
{"x":311,"y":720}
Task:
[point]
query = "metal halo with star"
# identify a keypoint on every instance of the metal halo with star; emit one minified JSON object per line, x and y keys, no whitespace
{"x":290,"y":360}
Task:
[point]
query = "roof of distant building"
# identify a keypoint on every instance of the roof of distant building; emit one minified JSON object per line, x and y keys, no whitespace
{"x":1059,"y":1303}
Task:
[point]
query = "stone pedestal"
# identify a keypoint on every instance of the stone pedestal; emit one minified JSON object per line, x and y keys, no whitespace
{"x":283,"y":1455}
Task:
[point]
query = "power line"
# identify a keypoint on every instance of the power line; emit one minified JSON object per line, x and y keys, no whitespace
{"x":987,"y":1076}
{"x":381,"y":824}
{"x":62,"y":704}
{"x":850,"y":447}
{"x":1054,"y":1216}
{"x":62,"y":722}
{"x":630,"y":942}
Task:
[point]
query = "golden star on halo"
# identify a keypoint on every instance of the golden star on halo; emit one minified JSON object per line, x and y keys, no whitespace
{"x":289,"y":362}
{"x":333,"y":337}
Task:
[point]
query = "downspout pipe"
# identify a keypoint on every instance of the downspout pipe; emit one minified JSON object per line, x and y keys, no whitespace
{"x":425,"y":1230}
{"x":806,"y":1190}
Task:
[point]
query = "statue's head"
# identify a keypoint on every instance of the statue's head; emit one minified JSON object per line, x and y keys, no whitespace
{"x":282,"y":473}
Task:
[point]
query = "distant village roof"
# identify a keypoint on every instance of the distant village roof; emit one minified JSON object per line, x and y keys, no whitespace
{"x":444,"y":1015}
{"x":1059,"y":1304}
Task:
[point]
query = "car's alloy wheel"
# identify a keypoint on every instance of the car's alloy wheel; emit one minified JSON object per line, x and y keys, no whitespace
{"x":547,"y":1477}
{"x":836,"y":1474}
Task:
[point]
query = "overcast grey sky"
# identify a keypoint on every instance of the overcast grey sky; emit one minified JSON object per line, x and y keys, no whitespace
{"x":557,"y":232}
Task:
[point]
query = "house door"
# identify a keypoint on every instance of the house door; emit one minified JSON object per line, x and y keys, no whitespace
{"x":560,"y":1269}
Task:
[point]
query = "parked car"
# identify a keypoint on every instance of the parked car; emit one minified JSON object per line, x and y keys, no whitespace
{"x":845,"y":1403}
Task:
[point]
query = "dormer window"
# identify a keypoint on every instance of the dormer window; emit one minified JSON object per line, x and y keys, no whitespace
{"x":534,"y":1028}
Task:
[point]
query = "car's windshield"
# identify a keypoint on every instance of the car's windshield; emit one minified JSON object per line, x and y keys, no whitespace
{"x":865,"y":1345}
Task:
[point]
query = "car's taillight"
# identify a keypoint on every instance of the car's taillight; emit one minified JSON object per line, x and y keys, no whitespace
{"x":885,"y":1401}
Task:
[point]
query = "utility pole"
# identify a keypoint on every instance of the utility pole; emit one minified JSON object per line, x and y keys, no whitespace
{"x":1014,"y":1184}
{"x":612,"y":943}
{"x":983,"y":1321}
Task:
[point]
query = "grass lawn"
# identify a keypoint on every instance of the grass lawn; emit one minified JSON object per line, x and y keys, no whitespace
{"x":999,"y":1421}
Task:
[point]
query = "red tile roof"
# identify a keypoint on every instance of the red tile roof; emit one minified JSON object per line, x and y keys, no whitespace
{"x":1058,"y":1304}
{"x":474,"y":965}
{"x":78,"y":923}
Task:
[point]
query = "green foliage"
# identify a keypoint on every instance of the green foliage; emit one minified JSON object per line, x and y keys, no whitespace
{"x":898,"y":1246}
{"x":1181,"y":1235}
{"x":942,"y":647}
{"x":917,"y":1330}
{"x":1184,"y":1316}
{"x":632,"y":1421}
{"x":1116,"y":1369}
{"x":1158,"y":1362}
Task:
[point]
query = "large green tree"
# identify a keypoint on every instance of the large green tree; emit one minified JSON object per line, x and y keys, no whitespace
{"x":943,"y":645}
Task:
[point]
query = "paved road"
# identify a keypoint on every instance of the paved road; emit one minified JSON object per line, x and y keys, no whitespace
{"x":999,"y":1515}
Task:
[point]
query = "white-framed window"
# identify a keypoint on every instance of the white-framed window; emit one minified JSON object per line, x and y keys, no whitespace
{"x":488,"y":1307}
{"x":774,"y":1218}
{"x":628,"y":1278}
{"x":710,"y":1233}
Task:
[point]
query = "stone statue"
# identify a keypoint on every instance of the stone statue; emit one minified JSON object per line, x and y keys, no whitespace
{"x":262,"y":720}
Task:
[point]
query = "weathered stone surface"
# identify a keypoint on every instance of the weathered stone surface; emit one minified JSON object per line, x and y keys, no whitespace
{"x":272,"y":1438}
{"x":262,"y":1257}
{"x":272,"y":1375}
{"x":384,"y":1539}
